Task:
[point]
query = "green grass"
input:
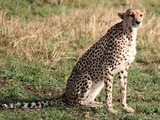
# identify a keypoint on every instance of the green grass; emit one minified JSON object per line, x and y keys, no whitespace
{"x":41,"y":41}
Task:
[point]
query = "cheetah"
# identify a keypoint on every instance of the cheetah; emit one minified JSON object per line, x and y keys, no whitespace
{"x":111,"y":55}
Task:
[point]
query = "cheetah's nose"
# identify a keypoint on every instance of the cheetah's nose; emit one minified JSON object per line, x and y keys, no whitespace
{"x":137,"y":22}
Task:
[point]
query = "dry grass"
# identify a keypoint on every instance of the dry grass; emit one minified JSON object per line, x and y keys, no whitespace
{"x":49,"y":40}
{"x":149,"y":39}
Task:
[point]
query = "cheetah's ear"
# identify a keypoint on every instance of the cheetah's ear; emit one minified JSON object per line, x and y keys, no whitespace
{"x":121,"y":15}
{"x":143,"y":11}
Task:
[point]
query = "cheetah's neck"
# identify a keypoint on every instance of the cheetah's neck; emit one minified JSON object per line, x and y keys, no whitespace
{"x":134,"y":34}
{"x":132,"y":41}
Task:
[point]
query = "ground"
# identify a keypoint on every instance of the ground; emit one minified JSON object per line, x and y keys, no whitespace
{"x":42,"y":40}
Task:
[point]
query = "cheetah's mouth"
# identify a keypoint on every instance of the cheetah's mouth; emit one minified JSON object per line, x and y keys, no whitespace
{"x":136,"y":24}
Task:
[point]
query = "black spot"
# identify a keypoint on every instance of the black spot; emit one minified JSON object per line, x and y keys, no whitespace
{"x":22,"y":104}
{"x":37,"y":104}
{"x":105,"y":83}
{"x":123,"y":88}
{"x":120,"y":91}
{"x":42,"y":104}
{"x":29,"y":105}
{"x":110,"y":74}
{"x":85,"y":84}
{"x":108,"y":91}
{"x":85,"y":76}
{"x":48,"y":103}
{"x":88,"y":78}
{"x":125,"y":77}
{"x":122,"y":72}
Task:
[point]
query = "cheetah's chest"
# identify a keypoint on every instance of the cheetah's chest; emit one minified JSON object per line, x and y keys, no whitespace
{"x":129,"y":58}
{"x":131,"y":50}
{"x":130,"y":53}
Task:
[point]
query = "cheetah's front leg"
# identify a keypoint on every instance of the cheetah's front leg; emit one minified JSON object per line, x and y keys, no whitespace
{"x":123,"y":86}
{"x":108,"y":80}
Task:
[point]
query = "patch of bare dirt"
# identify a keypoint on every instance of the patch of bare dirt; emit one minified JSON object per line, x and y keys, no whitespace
{"x":143,"y":64}
{"x":139,"y":95}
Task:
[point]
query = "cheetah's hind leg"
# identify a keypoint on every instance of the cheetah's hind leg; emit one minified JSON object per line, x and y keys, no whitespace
{"x":89,"y":99}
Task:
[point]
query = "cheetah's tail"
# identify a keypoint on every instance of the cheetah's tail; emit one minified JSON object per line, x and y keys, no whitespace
{"x":32,"y":105}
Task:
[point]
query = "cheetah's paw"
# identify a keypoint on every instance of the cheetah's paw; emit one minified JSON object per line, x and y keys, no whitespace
{"x":94,"y":104}
{"x":112,"y":111}
{"x":129,"y":109}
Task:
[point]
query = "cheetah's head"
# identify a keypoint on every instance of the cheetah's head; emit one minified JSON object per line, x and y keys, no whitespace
{"x":132,"y":17}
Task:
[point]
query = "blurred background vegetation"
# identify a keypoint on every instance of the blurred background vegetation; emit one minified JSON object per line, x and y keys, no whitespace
{"x":32,"y":8}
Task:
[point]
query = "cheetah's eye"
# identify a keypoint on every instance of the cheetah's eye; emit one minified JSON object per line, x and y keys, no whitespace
{"x":141,"y":15}
{"x":131,"y":15}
